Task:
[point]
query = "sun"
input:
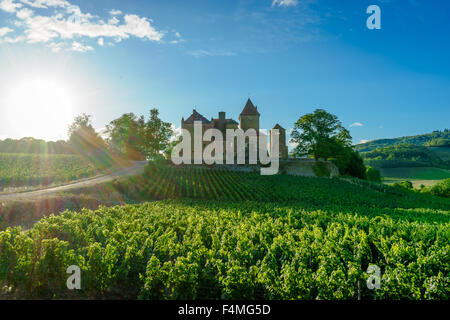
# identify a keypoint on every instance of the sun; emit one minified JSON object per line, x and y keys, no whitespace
{"x":39,"y":108}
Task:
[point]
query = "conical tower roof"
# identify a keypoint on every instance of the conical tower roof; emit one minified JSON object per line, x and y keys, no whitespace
{"x":249,"y":109}
{"x":277,"y":126}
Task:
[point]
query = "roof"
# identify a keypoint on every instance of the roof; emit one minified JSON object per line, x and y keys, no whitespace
{"x":249,"y":109}
{"x":195,"y":116}
{"x":230,"y":121}
{"x":277,"y":126}
{"x":227,"y":121}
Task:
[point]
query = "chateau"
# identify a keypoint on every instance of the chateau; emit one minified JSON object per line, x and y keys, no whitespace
{"x":248,"y":119}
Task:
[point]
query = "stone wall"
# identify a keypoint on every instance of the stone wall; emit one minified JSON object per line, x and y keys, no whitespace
{"x":297,"y":167}
{"x":308,"y":168}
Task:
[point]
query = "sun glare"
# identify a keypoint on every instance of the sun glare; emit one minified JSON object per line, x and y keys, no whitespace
{"x":40,"y":108}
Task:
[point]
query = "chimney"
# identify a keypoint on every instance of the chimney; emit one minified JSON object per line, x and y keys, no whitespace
{"x":221,"y":120}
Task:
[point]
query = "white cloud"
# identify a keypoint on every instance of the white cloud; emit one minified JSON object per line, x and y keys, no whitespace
{"x":356,"y":124}
{"x":284,"y":3}
{"x":9,"y":5}
{"x":176,"y":132}
{"x":113,"y":20}
{"x":62,"y":28}
{"x":114,"y":12}
{"x":24,"y":13}
{"x":363,"y":141}
{"x":292,"y":145}
{"x":178,"y":38}
{"x":5,"y":30}
{"x":209,"y":53}
{"x":76,"y":46}
{"x":13,"y":5}
{"x":56,"y":47}
{"x":44,"y":4}
{"x":12,"y":40}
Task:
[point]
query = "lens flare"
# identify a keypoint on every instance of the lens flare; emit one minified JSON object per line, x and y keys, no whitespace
{"x":40,"y":108}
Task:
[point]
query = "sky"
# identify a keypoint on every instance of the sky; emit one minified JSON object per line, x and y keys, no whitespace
{"x":61,"y":58}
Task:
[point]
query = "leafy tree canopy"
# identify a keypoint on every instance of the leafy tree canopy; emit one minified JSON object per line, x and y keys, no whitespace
{"x":134,"y":137}
{"x":126,"y":135}
{"x":82,"y":136}
{"x":373,"y":174}
{"x":319,"y":134}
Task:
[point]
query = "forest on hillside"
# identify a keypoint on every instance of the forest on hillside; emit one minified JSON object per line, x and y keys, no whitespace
{"x":435,"y":139}
{"x":404,"y":155}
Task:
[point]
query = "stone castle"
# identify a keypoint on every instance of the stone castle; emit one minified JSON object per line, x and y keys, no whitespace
{"x":248,"y":119}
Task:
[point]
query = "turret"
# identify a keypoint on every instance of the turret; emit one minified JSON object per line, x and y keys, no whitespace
{"x":283,"y":149}
{"x":249,"y":118}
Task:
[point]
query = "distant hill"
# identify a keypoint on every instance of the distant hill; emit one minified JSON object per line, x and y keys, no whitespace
{"x":423,"y":159}
{"x":404,"y":155}
{"x":434,"y":139}
{"x":441,"y":152}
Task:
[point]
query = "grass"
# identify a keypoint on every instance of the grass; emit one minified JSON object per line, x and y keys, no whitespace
{"x":421,"y":175}
{"x":30,"y":170}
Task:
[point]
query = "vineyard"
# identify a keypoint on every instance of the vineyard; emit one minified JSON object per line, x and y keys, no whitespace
{"x":18,"y":170}
{"x":170,"y":182}
{"x":229,"y":235}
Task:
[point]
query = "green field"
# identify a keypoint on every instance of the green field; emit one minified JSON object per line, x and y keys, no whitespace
{"x":18,"y":170}
{"x":252,"y":237}
{"x":427,"y":176}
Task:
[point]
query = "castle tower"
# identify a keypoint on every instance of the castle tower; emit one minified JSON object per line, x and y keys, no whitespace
{"x":283,"y":149}
{"x":249,"y":118}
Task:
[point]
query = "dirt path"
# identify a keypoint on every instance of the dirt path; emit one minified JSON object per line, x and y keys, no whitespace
{"x":136,"y":168}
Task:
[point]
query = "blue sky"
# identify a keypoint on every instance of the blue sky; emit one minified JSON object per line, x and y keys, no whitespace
{"x":290,"y":57}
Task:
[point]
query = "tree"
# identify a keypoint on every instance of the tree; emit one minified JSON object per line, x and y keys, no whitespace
{"x":441,"y":189}
{"x":404,"y":184}
{"x":126,"y":135}
{"x":348,"y":161}
{"x":135,"y":138}
{"x":157,"y":135}
{"x":319,"y":134}
{"x":82,"y":136}
{"x":373,"y":174}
